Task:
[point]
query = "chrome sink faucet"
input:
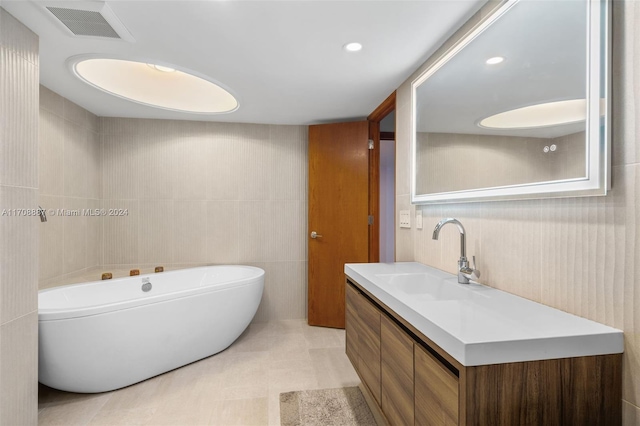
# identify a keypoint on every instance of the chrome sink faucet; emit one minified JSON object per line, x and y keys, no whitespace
{"x":465,"y":273}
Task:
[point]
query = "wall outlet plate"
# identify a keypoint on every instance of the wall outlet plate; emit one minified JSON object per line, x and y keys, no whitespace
{"x":405,"y":219}
{"x":419,"y":220}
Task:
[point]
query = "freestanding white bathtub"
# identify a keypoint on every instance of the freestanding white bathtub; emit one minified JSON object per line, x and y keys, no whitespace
{"x":105,"y":335}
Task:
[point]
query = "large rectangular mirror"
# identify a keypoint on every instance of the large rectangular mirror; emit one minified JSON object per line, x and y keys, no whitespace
{"x":518,"y":108}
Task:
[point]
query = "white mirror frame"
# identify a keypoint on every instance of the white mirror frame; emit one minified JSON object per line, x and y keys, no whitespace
{"x":598,"y":179}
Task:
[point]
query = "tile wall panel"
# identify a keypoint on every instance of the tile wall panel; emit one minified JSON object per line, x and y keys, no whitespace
{"x":70,"y":178}
{"x":223,"y":231}
{"x":19,"y":371}
{"x":579,"y":255}
{"x":155,"y":244}
{"x":19,"y":235}
{"x":19,"y":256}
{"x":121,"y":233}
{"x":75,"y":234}
{"x":51,"y":154}
{"x":18,"y":151}
{"x":208,"y":193}
{"x":51,"y":234}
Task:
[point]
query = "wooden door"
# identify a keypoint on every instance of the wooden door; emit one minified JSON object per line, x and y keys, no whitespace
{"x":338,"y":214}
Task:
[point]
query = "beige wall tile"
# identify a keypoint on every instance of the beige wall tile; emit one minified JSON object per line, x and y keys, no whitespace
{"x":18,"y":104}
{"x":290,"y":157}
{"x":51,"y":153}
{"x":285,"y":291}
{"x":257,"y":163}
{"x":93,"y":122}
{"x":190,"y":227}
{"x":75,"y":160}
{"x":121,"y":233}
{"x":19,"y":257}
{"x":223,"y":233}
{"x":74,"y":113}
{"x":18,"y":38}
{"x":630,"y":414}
{"x":155,"y":166}
{"x":94,"y":235}
{"x":121,"y":171}
{"x":71,"y":165}
{"x":18,"y":235}
{"x":19,"y":371}
{"x":51,"y":101}
{"x":93,"y":166}
{"x":75,"y":234}
{"x":192,"y":157}
{"x":224,"y":163}
{"x":51,"y":235}
{"x":155,"y":242}
{"x":272,"y":231}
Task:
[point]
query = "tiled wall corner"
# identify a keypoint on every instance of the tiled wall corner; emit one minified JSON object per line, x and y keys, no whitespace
{"x":18,"y":225}
{"x":70,"y":176}
{"x":579,"y":255}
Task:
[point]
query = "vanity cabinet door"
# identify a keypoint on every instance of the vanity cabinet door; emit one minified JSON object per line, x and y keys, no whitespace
{"x":397,"y":374}
{"x":436,"y":391}
{"x":363,"y":339}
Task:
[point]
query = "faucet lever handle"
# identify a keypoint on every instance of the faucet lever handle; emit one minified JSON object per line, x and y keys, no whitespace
{"x":474,"y":261}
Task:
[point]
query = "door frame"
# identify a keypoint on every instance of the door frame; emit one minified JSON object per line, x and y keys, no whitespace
{"x":385,"y":108}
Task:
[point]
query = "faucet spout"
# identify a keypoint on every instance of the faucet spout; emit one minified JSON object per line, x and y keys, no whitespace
{"x":463,"y":242}
{"x":464,"y":271}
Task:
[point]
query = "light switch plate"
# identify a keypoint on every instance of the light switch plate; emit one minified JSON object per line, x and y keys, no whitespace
{"x":405,"y":219}
{"x":419,"y":220}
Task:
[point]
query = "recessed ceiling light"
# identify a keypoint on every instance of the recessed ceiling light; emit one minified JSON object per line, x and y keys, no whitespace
{"x":495,"y":60}
{"x":353,"y":47}
{"x":142,"y":83}
{"x":540,"y":115}
{"x":161,"y":68}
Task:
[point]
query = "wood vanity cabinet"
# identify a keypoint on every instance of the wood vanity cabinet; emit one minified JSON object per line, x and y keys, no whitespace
{"x":397,"y":373}
{"x":436,"y":390}
{"x":415,"y":382}
{"x":363,"y":339}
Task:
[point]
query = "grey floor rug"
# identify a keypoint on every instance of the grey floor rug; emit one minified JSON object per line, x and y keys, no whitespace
{"x":325,"y":407}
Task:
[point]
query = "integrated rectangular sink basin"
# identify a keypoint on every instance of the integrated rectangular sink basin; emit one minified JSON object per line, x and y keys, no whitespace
{"x":425,"y":286}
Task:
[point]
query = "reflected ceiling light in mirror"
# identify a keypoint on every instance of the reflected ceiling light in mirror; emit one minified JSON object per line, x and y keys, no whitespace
{"x":154,"y":85}
{"x":495,"y":60}
{"x":353,"y":47}
{"x":540,"y":115}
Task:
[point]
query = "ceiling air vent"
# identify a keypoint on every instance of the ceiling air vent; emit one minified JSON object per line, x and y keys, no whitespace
{"x":94,"y":20}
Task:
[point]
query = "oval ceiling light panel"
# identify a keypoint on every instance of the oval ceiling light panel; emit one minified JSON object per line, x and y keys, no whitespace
{"x":541,"y":115}
{"x":155,"y":85}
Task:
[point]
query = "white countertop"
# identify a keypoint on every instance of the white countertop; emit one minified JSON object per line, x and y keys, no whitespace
{"x":479,"y":325}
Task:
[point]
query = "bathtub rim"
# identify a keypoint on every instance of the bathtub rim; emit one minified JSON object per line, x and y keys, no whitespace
{"x":57,"y":314}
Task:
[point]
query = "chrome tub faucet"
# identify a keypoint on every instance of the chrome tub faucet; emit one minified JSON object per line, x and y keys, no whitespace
{"x":465,"y":273}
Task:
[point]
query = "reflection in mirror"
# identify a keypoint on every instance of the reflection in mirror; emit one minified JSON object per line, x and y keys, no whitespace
{"x":510,"y":112}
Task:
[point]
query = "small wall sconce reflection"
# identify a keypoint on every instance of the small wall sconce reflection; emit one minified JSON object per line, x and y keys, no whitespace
{"x":548,"y":149}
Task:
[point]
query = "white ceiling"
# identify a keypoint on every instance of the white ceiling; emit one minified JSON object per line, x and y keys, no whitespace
{"x":283,"y":60}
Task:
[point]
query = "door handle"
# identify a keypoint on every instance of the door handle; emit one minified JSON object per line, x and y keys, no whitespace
{"x":315,"y":235}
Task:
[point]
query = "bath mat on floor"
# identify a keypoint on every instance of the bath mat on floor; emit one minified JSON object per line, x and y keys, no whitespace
{"x":325,"y":407}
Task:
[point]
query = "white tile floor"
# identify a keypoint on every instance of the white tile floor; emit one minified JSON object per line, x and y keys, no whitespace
{"x":240,"y":386}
